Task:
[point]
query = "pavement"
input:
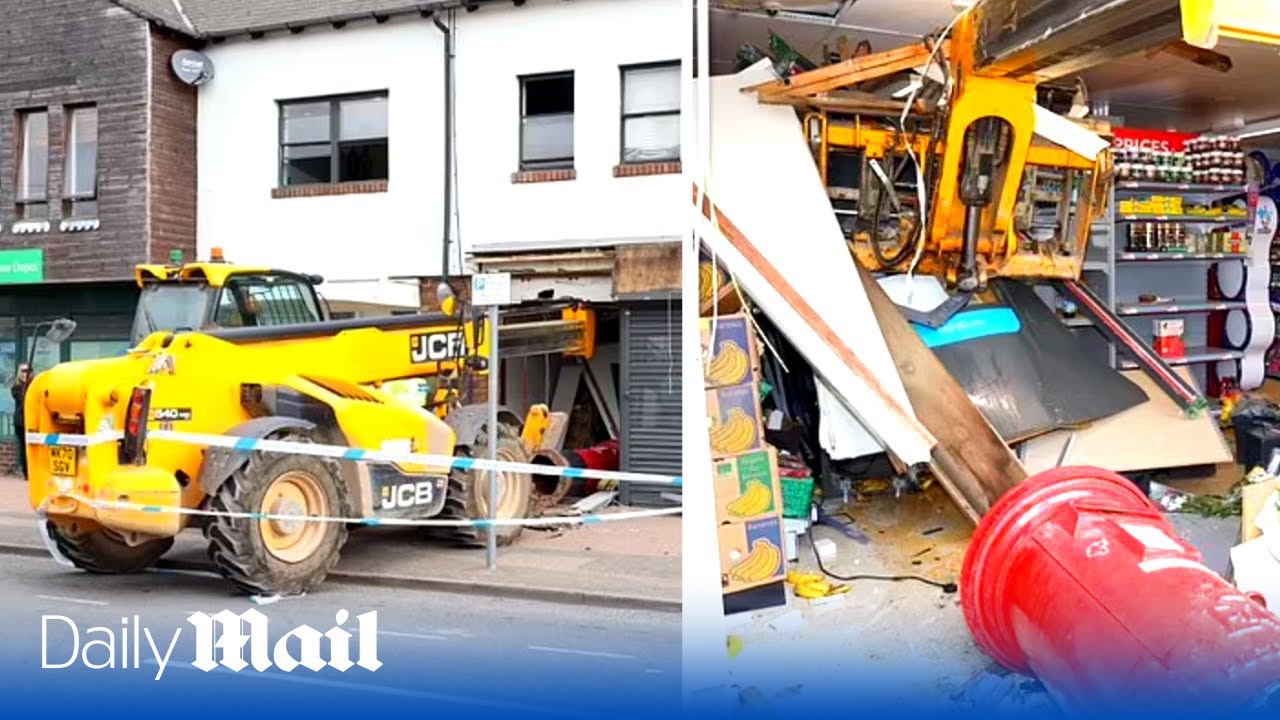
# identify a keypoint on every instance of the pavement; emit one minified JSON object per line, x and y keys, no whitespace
{"x":460,"y":654}
{"x":630,"y":563}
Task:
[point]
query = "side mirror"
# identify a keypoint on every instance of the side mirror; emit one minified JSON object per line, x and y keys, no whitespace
{"x":448,"y":301}
{"x":60,"y":330}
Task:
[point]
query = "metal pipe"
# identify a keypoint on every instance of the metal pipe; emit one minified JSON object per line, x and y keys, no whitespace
{"x":969,"y":262}
{"x":448,"y":145}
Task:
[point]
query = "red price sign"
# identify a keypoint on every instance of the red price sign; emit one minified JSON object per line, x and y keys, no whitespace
{"x":1156,"y":140}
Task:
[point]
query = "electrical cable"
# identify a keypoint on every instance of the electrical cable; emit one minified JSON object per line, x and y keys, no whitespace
{"x":946,"y":587}
{"x":902,"y":122}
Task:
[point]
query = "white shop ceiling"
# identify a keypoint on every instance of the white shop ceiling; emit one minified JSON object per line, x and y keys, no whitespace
{"x":1162,"y":92}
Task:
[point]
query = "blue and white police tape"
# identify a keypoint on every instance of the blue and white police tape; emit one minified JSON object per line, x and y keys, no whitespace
{"x":248,"y":444}
{"x":586,"y":519}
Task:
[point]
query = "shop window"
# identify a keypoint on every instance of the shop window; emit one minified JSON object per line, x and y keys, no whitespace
{"x":330,"y":140}
{"x":651,"y":113}
{"x":80,"y":174}
{"x":95,"y":349}
{"x":46,"y":354}
{"x":8,"y":372}
{"x":546,"y":122}
{"x":33,"y":164}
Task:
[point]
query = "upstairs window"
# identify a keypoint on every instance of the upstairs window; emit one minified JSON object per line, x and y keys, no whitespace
{"x":651,"y":113}
{"x":333,"y":140}
{"x":80,"y":175}
{"x":33,"y":164}
{"x":546,"y":122}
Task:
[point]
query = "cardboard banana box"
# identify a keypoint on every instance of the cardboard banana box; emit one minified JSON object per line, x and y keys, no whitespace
{"x":735,"y":420}
{"x":751,"y":554}
{"x":735,"y":355}
{"x":747,"y":486}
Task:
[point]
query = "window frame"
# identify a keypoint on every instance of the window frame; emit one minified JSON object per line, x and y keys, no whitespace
{"x":623,"y":116}
{"x":239,"y":288}
{"x":335,"y":140}
{"x":69,"y":155}
{"x":28,"y":205}
{"x":554,"y":163}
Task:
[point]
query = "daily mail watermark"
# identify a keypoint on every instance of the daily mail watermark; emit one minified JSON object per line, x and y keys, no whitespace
{"x":221,"y":640}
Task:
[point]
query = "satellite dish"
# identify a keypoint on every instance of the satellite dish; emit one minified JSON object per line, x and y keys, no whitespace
{"x":191,"y":67}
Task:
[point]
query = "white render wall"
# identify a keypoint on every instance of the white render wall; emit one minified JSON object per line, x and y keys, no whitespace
{"x":352,"y":240}
{"x":496,"y":45}
{"x":357,"y":241}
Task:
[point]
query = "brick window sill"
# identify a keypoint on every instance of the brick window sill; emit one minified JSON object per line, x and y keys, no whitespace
{"x":323,"y":189}
{"x":649,"y":168}
{"x":541,"y":176}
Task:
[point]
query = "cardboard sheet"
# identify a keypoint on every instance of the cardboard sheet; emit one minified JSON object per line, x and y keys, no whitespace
{"x":1153,"y":435}
{"x":792,"y":228}
{"x":1024,"y":369}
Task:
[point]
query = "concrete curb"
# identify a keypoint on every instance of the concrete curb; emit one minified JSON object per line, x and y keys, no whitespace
{"x":465,"y":587}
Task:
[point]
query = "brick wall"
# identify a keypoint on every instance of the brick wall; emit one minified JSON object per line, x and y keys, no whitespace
{"x":462,"y":289}
{"x":58,"y":53}
{"x":173,"y":154}
{"x":427,"y":292}
{"x":8,"y":456}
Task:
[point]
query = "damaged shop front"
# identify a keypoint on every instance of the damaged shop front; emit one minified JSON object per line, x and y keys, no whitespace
{"x":961,"y":492}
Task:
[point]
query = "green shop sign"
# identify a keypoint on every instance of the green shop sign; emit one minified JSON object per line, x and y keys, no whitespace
{"x":21,"y":266}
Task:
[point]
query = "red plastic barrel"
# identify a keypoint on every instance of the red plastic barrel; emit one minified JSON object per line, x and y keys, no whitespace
{"x":1077,"y":578}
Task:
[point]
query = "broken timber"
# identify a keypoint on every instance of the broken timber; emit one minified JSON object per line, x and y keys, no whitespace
{"x":849,"y":72}
{"x":967,"y":456}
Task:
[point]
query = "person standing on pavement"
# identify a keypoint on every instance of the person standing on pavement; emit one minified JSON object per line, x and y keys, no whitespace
{"x":19,"y":391}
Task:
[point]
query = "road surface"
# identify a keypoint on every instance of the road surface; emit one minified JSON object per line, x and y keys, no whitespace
{"x":450,"y":652}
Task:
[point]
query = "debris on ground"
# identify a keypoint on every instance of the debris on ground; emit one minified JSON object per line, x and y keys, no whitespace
{"x":595,"y":501}
{"x":997,"y":688}
{"x":814,"y":586}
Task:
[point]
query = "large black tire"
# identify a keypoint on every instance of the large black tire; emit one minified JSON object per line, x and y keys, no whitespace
{"x":97,"y":551}
{"x":237,"y":545}
{"x":468,"y":490}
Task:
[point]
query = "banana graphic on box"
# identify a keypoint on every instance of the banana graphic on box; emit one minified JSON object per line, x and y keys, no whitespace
{"x":754,"y":501}
{"x":735,"y":435}
{"x":760,"y":564}
{"x":729,"y":366}
{"x":710,"y":281}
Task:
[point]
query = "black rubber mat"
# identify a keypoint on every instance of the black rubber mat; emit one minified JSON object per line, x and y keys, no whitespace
{"x":1024,"y":369}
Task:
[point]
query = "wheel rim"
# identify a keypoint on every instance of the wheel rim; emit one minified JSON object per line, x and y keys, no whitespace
{"x":293,"y":493}
{"x":508,"y":482}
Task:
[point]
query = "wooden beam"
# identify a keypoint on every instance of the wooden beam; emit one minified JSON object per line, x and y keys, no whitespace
{"x":849,"y":72}
{"x":971,"y":460}
{"x":648,"y":268}
{"x":968,"y":457}
{"x":811,"y":317}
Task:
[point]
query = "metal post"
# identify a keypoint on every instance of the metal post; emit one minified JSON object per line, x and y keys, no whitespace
{"x":492,"y":549}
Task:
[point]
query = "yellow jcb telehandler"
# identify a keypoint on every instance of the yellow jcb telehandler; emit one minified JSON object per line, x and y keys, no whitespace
{"x":252,"y":352}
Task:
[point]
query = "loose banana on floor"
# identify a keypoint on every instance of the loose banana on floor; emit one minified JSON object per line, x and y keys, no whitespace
{"x":761,"y":564}
{"x":812,"y":585}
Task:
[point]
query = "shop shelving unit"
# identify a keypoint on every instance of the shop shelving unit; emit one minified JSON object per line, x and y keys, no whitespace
{"x":1119,"y":276}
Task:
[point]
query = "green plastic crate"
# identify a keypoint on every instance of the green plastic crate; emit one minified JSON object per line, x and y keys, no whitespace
{"x":796,"y":496}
